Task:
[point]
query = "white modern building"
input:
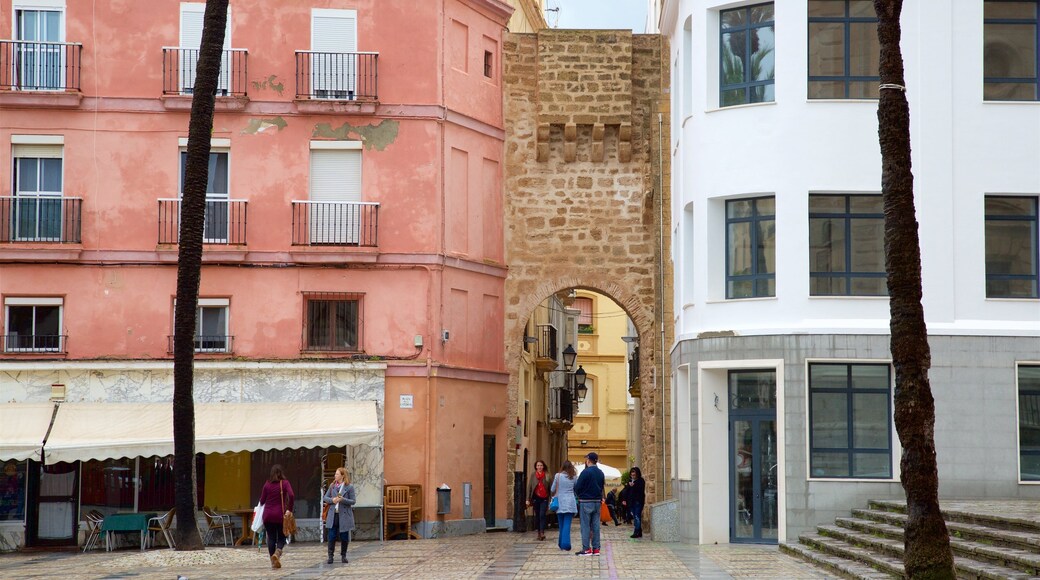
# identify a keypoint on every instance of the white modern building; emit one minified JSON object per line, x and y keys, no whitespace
{"x":782,"y":389}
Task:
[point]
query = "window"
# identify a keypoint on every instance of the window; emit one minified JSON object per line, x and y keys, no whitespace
{"x":40,"y":59}
{"x":218,"y":206}
{"x":1010,"y":54}
{"x":850,"y":417}
{"x":843,"y":49}
{"x":585,"y":324}
{"x":12,"y":491}
{"x":333,"y":321}
{"x":33,"y":325}
{"x":335,"y":64}
{"x":337,"y":216}
{"x":192,"y":14}
{"x":746,"y":55}
{"x":846,"y":245}
{"x":488,"y":61}
{"x":211,"y":328}
{"x":1011,"y":247}
{"x":36,"y":214}
{"x":751,"y":248}
{"x":587,"y":407}
{"x":1029,"y":422}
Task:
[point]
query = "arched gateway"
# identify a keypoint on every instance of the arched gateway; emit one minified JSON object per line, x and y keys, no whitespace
{"x":586,"y":195}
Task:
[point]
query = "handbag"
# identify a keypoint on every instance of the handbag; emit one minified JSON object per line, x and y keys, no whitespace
{"x":258,"y":518}
{"x":289,"y":521}
{"x":554,"y":504}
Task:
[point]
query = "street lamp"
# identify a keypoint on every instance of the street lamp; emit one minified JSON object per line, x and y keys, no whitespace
{"x":569,"y":354}
{"x":579,"y":384}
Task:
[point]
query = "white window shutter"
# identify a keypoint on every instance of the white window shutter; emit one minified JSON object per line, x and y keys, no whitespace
{"x":192,"y":18}
{"x":334,"y":182}
{"x":38,"y":151}
{"x":334,"y":69}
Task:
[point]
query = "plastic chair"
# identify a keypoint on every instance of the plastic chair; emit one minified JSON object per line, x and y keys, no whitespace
{"x":162,"y":524}
{"x":94,"y":520}
{"x":215,"y":521}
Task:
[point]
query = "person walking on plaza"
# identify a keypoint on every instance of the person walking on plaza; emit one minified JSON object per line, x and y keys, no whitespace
{"x":589,"y":491}
{"x":538,"y":496}
{"x":635,"y":499}
{"x":563,"y":490}
{"x":340,"y":519}
{"x":277,"y":498}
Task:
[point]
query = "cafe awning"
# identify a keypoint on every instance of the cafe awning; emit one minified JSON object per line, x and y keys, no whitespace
{"x":84,"y":431}
{"x":22,"y":429}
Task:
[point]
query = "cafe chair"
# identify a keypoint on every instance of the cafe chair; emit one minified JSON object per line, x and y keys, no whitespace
{"x":94,"y":520}
{"x":398,"y":511}
{"x":215,"y":521}
{"x":162,"y":524}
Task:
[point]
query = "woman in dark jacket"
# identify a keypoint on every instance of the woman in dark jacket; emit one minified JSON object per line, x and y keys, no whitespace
{"x":538,"y":495}
{"x":340,"y":520}
{"x":277,"y":498}
{"x":635,"y":499}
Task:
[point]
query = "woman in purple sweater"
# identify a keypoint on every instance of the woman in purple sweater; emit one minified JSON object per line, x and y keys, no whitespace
{"x":277,"y":498}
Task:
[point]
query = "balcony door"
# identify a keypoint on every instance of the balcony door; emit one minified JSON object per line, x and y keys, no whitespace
{"x":335,"y":189}
{"x":37,"y":212}
{"x":334,"y":54}
{"x":192,"y":14}
{"x":39,"y":57}
{"x":218,"y":216}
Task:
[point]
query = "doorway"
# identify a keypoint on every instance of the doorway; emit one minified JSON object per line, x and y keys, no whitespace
{"x":489,"y":481}
{"x":753,"y":457}
{"x":53,"y":509}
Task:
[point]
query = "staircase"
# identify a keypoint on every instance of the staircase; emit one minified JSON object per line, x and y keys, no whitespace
{"x":990,"y":539}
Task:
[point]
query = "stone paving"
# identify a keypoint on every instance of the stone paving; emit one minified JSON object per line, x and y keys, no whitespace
{"x":499,"y":555}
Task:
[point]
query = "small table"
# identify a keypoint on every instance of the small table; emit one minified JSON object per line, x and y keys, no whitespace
{"x":247,"y":521}
{"x":126,"y":522}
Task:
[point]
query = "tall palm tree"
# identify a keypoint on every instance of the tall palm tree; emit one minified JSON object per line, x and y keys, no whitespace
{"x":927,"y":543}
{"x":189,"y":270}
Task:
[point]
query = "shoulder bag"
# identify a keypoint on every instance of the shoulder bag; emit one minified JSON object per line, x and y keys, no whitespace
{"x":289,"y":520}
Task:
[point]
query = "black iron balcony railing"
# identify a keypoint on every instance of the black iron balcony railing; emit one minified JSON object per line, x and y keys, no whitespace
{"x":34,"y":343}
{"x":28,"y":65}
{"x":633,"y":367}
{"x":225,"y":221}
{"x":180,"y":64}
{"x":208,"y":343}
{"x":335,"y":223}
{"x":341,"y":76}
{"x":561,"y":405}
{"x":41,"y":218}
{"x":547,"y":348}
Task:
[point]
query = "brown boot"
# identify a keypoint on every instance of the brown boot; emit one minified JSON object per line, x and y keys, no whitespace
{"x":275,"y":564}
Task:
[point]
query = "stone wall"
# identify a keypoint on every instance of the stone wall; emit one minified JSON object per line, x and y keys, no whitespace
{"x":583,"y":196}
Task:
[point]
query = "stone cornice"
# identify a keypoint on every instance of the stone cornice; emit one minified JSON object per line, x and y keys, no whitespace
{"x":494,"y":9}
{"x":669,"y":16}
{"x":534,"y":14}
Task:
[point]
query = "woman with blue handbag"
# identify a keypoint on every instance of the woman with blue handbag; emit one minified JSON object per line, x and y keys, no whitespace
{"x":566,"y":503}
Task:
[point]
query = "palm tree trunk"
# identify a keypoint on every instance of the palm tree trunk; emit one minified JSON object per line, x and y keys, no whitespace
{"x":926,"y":540}
{"x":189,"y":270}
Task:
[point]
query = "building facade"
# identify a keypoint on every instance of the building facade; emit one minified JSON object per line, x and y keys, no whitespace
{"x":783,"y":380}
{"x":372,"y":269}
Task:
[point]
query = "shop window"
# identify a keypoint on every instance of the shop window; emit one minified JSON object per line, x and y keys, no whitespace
{"x":850,"y":421}
{"x":1029,"y":422}
{"x":302,"y":469}
{"x":12,"y":491}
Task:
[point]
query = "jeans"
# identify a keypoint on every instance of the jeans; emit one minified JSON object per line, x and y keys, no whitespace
{"x":275,"y":537}
{"x":344,"y":538}
{"x":565,"y":530}
{"x":540,"y":506}
{"x":637,"y":518}
{"x":588,"y":514}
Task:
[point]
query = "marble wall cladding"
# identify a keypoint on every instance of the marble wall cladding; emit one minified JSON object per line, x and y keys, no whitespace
{"x":11,"y":538}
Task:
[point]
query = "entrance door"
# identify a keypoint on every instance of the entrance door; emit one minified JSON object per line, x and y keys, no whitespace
{"x":753,"y":457}
{"x":489,"y":480}
{"x":54,"y":516}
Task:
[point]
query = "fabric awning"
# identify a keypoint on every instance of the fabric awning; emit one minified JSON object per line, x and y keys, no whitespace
{"x":84,"y":431}
{"x":22,"y":429}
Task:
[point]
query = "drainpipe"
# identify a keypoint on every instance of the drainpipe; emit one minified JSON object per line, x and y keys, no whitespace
{"x":660,"y":383}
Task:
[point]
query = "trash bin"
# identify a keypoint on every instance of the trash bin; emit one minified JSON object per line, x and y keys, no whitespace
{"x":443,"y":500}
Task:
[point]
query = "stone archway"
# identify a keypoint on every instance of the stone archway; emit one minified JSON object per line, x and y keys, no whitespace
{"x":586,"y":193}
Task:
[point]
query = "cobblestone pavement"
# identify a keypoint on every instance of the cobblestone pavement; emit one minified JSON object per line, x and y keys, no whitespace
{"x":500,"y":555}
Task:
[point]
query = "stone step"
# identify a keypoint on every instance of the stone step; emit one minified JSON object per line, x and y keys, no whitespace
{"x":839,"y":548}
{"x":845,"y":568}
{"x":1027,"y":541}
{"x":951,"y":514}
{"x":971,"y":559}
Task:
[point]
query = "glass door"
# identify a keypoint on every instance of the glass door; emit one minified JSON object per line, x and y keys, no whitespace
{"x":39,"y":58}
{"x":489,"y":480}
{"x":56,"y":518}
{"x":753,"y":457}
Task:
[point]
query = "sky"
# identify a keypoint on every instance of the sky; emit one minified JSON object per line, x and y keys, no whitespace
{"x":597,"y":14}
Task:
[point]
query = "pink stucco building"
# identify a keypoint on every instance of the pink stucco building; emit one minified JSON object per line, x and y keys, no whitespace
{"x":354,"y":248}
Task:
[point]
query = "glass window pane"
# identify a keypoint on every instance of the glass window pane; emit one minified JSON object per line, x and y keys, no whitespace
{"x":1011,"y":206}
{"x":766,"y":250}
{"x":48,"y":319}
{"x":1009,"y":91}
{"x":826,"y":245}
{"x":12,"y":491}
{"x":827,"y":203}
{"x":218,"y":174}
{"x":866,"y":204}
{"x":871,"y":377}
{"x":762,"y":14}
{"x":862,"y":286}
{"x":826,"y":286}
{"x":870,"y":420}
{"x":765,"y":206}
{"x":28,"y":175}
{"x":752,"y":390}
{"x":764,"y":288}
{"x":1029,"y":422}
{"x":740,"y":208}
{"x":740,"y":289}
{"x":864,"y":49}
{"x":826,"y":8}
{"x":1009,"y":9}
{"x":826,"y":49}
{"x":868,"y":245}
{"x":1010,"y":247}
{"x":828,"y":376}
{"x":50,"y":172}
{"x":738,"y":262}
{"x":1030,"y":467}
{"x":762,"y":54}
{"x":863,"y":89}
{"x":862,"y":9}
{"x":20,"y":320}
{"x":1010,"y":51}
{"x":29,"y":25}
{"x":734,"y":57}
{"x":830,"y":420}
{"x":826,"y":89}
{"x":733,"y":18}
{"x":829,"y":464}
{"x":877,"y":465}
{"x":108,"y":486}
{"x":733,"y":97}
{"x":1029,"y":377}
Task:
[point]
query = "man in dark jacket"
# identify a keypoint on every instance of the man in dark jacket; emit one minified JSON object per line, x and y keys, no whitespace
{"x":612,"y":506}
{"x":589,"y":491}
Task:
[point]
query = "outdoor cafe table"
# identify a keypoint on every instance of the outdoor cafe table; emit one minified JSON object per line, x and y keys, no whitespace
{"x":126,"y":522}
{"x":247,"y":520}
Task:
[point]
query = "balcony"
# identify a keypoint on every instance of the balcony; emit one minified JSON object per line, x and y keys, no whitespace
{"x":217,"y":343}
{"x":41,"y":218}
{"x":335,"y":223}
{"x":633,"y":373}
{"x":547,"y":358}
{"x":34,"y":343}
{"x":28,"y":65}
{"x":561,"y":402}
{"x":225,"y":221}
{"x":179,"y":68}
{"x":337,"y":76}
